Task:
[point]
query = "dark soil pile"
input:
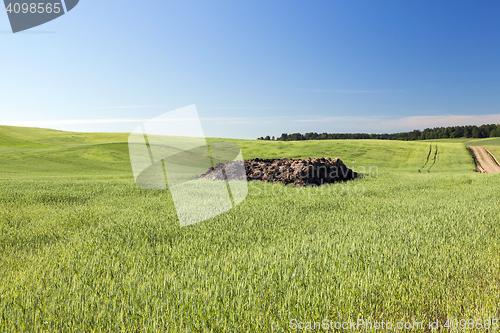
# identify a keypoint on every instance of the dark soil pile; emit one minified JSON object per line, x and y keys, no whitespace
{"x":311,"y":171}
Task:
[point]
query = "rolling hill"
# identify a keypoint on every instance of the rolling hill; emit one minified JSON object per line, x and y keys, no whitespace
{"x":83,"y":248}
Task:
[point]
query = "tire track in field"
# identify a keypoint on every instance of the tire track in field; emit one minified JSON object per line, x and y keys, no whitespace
{"x":428,"y":156}
{"x":435,"y":158}
{"x":492,"y":156}
{"x":485,"y":160}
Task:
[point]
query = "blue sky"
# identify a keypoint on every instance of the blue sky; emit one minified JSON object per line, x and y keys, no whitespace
{"x":256,"y":68}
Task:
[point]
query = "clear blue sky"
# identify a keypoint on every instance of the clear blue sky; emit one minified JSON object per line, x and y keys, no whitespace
{"x":255,"y":68}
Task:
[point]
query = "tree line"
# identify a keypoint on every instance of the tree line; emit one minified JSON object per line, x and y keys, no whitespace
{"x":469,"y":131}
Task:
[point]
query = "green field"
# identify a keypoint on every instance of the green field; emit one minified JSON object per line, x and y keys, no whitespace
{"x":84,"y":249}
{"x":493,"y":145}
{"x":483,"y":142}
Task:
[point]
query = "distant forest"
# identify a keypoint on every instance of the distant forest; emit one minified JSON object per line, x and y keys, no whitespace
{"x":470,"y":131}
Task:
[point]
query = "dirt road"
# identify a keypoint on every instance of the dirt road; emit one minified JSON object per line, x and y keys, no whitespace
{"x":485,"y":161}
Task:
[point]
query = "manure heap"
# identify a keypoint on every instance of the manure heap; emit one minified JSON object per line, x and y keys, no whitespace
{"x":311,"y":171}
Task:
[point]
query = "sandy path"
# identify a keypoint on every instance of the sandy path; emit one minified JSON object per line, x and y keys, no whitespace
{"x":486,"y":163}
